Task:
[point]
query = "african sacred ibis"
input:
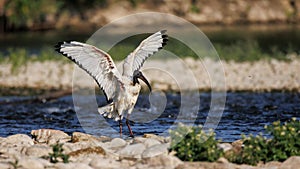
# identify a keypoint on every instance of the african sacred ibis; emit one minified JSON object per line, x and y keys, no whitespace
{"x":121,"y":91}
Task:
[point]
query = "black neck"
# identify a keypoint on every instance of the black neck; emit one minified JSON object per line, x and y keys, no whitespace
{"x":135,"y":80}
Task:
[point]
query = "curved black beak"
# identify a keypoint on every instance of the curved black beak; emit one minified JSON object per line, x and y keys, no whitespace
{"x":142,"y":77}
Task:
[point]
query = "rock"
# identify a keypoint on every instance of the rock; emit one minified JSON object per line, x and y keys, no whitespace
{"x":5,"y":166}
{"x":155,"y":150}
{"x":150,"y":142}
{"x":237,"y":146}
{"x":104,"y":163}
{"x":225,"y":146}
{"x":271,"y":165}
{"x":85,"y":155}
{"x":153,"y":136}
{"x":50,"y":136}
{"x":132,"y":151}
{"x":72,"y":166}
{"x":15,"y":144}
{"x":78,"y":137}
{"x":210,"y":165}
{"x":162,"y":161}
{"x":291,"y":163}
{"x":117,"y":143}
{"x":222,"y":160}
{"x":31,"y":163}
{"x":38,"y":150}
{"x":70,"y":147}
{"x":139,"y":140}
{"x":17,"y":139}
{"x":89,"y":150}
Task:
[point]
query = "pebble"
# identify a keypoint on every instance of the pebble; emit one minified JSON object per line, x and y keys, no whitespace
{"x":156,"y":150}
{"x":150,"y":142}
{"x":79,"y":137}
{"x":89,"y":152}
{"x":153,"y":136}
{"x":132,"y":151}
{"x":164,"y":161}
{"x":225,"y":146}
{"x":105,"y":164}
{"x":139,"y":140}
{"x":72,"y":166}
{"x":117,"y":143}
{"x":31,"y":163}
{"x":50,"y":136}
{"x":5,"y":166}
{"x":38,"y":150}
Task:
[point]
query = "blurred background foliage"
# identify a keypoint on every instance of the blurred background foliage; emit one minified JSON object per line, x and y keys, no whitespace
{"x":24,"y":14}
{"x":30,"y":28}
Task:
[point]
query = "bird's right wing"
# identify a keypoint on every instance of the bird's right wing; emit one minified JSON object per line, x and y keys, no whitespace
{"x":96,"y":63}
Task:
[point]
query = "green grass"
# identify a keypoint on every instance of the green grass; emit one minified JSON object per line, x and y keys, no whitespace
{"x":20,"y":56}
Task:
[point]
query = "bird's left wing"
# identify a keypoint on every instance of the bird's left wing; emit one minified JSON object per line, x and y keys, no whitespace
{"x":147,"y":48}
{"x":96,"y":63}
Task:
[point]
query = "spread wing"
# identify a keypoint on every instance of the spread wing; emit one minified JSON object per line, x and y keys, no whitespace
{"x":96,"y":63}
{"x":147,"y":48}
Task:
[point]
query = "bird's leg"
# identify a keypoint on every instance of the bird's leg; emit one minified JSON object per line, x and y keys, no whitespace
{"x":128,"y":125}
{"x":120,"y":125}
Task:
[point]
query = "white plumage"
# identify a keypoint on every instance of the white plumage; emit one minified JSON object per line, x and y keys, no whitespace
{"x":121,"y":91}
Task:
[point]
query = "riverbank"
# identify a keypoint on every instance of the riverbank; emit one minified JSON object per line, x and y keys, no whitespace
{"x":167,"y":75}
{"x":81,"y":15}
{"x":88,"y":152}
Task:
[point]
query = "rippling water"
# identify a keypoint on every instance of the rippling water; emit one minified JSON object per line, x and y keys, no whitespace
{"x":244,"y":113}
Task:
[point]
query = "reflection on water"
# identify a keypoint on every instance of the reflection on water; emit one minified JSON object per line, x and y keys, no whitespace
{"x":244,"y":113}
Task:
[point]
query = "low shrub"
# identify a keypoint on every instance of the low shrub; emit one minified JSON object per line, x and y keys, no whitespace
{"x":191,"y":143}
{"x":283,"y":143}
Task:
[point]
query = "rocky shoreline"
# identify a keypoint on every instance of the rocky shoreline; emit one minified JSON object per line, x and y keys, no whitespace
{"x":89,"y":152}
{"x":167,"y":75}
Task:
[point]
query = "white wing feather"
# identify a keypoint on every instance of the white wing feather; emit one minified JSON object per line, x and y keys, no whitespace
{"x":95,"y":62}
{"x":147,"y":48}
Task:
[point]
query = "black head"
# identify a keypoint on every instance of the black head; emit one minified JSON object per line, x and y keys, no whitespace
{"x":138,"y":74}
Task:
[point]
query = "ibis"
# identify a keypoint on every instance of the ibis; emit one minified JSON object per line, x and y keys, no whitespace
{"x":121,"y":90}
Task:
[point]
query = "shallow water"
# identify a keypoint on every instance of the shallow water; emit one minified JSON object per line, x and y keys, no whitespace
{"x":243,"y":113}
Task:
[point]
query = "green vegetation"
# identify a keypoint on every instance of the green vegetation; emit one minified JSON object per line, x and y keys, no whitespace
{"x":193,"y":144}
{"x":240,"y":51}
{"x":194,"y":8}
{"x":58,"y":154}
{"x":25,"y":13}
{"x":284,"y":143}
{"x":20,"y":56}
{"x":249,"y":51}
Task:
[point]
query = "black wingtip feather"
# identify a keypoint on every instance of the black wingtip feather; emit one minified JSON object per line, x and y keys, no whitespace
{"x":163,"y":31}
{"x":165,"y":36}
{"x":57,"y":46}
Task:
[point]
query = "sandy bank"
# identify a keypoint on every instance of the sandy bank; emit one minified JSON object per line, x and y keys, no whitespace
{"x":176,"y":75}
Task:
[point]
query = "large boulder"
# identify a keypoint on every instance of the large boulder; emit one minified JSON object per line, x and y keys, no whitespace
{"x":50,"y":136}
{"x":291,"y":163}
